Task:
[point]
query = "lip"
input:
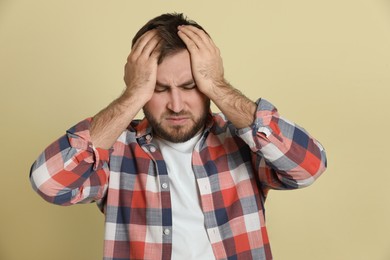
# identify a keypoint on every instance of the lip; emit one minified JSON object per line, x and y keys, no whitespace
{"x":177,"y":120}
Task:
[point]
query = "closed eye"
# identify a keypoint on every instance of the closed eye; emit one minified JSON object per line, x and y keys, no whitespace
{"x":189,"y":86}
{"x":160,"y":89}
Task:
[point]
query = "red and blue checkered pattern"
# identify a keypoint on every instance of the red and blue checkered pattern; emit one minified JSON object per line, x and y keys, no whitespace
{"x":234,"y":169}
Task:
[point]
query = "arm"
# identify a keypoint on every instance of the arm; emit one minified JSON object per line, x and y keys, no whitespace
{"x":140,"y":79}
{"x":287,"y":157}
{"x":71,"y":170}
{"x":74,"y":169}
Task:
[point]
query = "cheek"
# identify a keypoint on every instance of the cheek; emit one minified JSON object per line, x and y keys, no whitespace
{"x":198,"y":101}
{"x":155,"y":106}
{"x":156,"y":102}
{"x":198,"y":108}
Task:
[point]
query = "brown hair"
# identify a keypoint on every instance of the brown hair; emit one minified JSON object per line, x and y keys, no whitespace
{"x":166,"y":25}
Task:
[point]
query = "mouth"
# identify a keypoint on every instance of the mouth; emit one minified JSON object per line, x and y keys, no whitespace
{"x":177,"y":120}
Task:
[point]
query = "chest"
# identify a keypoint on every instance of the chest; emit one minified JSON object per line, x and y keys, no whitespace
{"x":139,"y":180}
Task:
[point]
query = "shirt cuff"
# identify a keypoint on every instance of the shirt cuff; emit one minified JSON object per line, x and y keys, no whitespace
{"x":256,"y":135}
{"x":80,"y":139}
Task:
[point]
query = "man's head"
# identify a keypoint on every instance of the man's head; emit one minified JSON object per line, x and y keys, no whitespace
{"x":166,"y":26}
{"x":177,"y":110}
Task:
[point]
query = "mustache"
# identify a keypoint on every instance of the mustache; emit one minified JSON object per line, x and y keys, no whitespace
{"x":174,"y":114}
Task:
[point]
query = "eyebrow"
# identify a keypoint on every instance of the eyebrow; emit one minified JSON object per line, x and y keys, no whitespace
{"x":189,"y":82}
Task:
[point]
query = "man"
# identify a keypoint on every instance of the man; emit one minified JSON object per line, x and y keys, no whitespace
{"x":182,"y":183}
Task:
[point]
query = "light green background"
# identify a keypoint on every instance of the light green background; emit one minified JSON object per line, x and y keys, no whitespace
{"x":324,"y":64}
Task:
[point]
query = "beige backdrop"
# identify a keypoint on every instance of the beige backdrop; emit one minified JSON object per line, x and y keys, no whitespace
{"x":325,"y":64}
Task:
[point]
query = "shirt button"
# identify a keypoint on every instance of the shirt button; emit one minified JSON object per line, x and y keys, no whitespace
{"x":152,"y":149}
{"x":164,"y":185}
{"x":148,"y":137}
{"x":167,"y":231}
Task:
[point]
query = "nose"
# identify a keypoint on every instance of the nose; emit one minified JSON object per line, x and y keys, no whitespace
{"x":176,"y":103}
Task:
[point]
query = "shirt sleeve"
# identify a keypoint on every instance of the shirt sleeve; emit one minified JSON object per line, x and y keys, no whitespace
{"x":287,"y":157}
{"x":71,"y":170}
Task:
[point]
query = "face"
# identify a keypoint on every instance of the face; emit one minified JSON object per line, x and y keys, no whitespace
{"x":177,"y":110}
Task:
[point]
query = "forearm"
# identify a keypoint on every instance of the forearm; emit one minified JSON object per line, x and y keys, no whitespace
{"x":296,"y":161}
{"x":109,"y":123}
{"x":288,"y":157}
{"x":74,"y":169}
{"x":70,"y":170}
{"x":140,"y":78}
{"x":233,"y":104}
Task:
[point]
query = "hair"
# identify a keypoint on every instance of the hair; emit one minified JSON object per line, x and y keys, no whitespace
{"x":166,"y":25}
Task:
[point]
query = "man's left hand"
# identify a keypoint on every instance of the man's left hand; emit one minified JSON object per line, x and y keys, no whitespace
{"x":206,"y":61}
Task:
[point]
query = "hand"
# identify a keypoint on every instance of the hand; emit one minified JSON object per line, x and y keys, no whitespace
{"x":140,"y":78}
{"x":141,"y":67}
{"x":206,"y":61}
{"x":207,"y":70}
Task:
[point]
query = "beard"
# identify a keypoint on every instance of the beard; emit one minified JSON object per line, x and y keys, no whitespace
{"x":178,"y":133}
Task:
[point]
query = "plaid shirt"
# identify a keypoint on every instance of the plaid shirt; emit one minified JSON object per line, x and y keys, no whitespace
{"x":234,"y":169}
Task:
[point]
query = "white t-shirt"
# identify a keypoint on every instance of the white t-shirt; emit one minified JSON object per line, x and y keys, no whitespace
{"x":189,"y":237}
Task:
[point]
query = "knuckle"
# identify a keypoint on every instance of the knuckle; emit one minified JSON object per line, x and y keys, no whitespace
{"x":131,"y":58}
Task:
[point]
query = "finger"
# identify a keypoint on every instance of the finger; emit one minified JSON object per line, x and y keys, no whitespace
{"x":142,"y":42}
{"x":150,"y":46}
{"x":191,"y":46}
{"x":192,"y":36}
{"x":156,"y":51}
{"x":201,"y":39}
{"x":201,"y":33}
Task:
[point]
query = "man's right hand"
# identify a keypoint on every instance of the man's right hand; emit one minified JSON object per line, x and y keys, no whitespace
{"x":141,"y":67}
{"x":140,"y":78}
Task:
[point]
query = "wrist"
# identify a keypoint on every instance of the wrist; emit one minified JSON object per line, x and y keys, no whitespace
{"x":212,"y":89}
{"x":220,"y":90}
{"x":133,"y":98}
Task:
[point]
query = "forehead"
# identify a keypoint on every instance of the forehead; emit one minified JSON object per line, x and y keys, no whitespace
{"x":175,"y":68}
